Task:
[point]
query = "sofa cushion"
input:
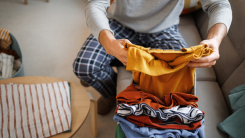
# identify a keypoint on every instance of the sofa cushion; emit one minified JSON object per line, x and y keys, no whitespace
{"x":205,"y":74}
{"x":228,"y":61}
{"x":122,"y":73}
{"x":124,"y":79}
{"x":211,"y":101}
{"x":237,"y":30}
{"x":237,"y":78}
{"x":189,"y":30}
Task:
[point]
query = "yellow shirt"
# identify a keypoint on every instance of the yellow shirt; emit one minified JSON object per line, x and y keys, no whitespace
{"x":160,"y":72}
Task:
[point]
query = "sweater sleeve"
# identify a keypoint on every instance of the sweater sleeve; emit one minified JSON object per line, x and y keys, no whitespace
{"x":219,"y":11}
{"x":96,"y":19}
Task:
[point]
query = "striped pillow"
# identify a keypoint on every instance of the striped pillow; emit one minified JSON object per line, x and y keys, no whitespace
{"x":191,"y":6}
{"x":5,"y":40}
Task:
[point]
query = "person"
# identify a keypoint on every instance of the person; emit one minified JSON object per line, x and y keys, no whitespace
{"x":149,"y":23}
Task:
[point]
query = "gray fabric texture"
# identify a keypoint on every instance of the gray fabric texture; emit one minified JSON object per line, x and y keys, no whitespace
{"x":150,"y":16}
{"x":228,"y":61}
{"x":124,"y":79}
{"x":216,"y":9}
{"x":237,"y":31}
{"x":200,"y":17}
{"x":211,"y":101}
{"x":189,"y":30}
{"x":205,"y":74}
{"x":146,"y":16}
{"x":236,"y":79}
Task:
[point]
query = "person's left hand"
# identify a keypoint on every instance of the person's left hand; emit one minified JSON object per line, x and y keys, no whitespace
{"x":210,"y":60}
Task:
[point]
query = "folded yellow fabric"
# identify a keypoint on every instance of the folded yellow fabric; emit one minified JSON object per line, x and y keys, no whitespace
{"x":160,"y":72}
{"x":5,"y":39}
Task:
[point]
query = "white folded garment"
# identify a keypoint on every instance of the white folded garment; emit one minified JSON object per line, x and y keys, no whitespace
{"x":37,"y":110}
{"x":7,"y":62}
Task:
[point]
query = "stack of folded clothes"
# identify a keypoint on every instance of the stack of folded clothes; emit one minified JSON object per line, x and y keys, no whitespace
{"x":165,"y":106}
{"x":144,"y":115}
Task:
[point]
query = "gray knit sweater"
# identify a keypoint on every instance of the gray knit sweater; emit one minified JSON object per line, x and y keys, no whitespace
{"x":150,"y":16}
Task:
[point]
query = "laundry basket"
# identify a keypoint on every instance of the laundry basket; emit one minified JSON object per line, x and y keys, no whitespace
{"x":15,"y":46}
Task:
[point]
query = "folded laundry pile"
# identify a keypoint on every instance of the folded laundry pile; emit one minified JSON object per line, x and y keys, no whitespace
{"x":141,"y":114}
{"x":35,"y":110}
{"x":10,"y":62}
{"x":164,"y":107}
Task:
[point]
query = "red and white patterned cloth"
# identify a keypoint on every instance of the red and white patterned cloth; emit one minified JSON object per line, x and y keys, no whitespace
{"x":37,"y":111}
{"x":5,"y":39}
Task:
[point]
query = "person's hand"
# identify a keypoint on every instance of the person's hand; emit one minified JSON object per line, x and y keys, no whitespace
{"x":113,"y":46}
{"x":117,"y":50}
{"x":210,"y":60}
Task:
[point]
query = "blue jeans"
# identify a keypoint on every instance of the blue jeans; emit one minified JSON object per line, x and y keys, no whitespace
{"x":94,"y":66}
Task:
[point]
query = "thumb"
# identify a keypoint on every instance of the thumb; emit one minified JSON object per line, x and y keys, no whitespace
{"x":203,"y":43}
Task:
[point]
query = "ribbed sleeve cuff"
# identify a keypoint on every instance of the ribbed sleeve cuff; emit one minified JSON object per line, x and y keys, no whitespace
{"x":223,"y":15}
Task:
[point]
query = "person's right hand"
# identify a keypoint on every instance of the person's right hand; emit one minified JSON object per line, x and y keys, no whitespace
{"x":113,"y":46}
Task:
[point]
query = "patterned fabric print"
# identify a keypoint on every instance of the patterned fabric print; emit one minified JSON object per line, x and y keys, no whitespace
{"x":5,"y":40}
{"x":93,"y":64}
{"x":166,"y":39}
{"x":187,"y":114}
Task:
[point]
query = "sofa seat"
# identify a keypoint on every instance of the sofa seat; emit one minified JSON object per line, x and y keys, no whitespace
{"x":124,"y":79}
{"x":211,"y":101}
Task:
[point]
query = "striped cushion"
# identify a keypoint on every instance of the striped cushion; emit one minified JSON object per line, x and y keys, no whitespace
{"x":38,"y":110}
{"x":191,"y":6}
{"x":5,"y":40}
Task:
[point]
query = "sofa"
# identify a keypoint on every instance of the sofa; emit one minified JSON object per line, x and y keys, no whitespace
{"x":213,"y":84}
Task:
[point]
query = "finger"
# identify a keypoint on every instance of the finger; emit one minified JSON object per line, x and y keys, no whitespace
{"x":206,"y":59}
{"x":201,"y":65}
{"x":124,"y":41}
{"x":204,"y":42}
{"x":124,"y":63}
{"x":137,"y":87}
{"x":127,"y":41}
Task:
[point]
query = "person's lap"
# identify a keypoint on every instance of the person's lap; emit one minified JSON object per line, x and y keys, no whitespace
{"x":93,"y":64}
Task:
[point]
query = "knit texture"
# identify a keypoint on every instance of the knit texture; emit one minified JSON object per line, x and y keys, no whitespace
{"x":160,"y":72}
